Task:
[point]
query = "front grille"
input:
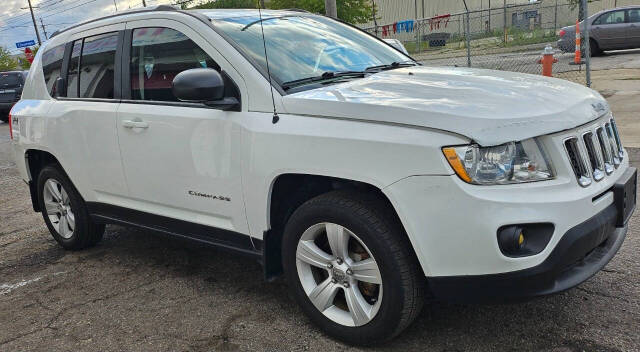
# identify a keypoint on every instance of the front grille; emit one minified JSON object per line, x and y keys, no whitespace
{"x":597,"y":154}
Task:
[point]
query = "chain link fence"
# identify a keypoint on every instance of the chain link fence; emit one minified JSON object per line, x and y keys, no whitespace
{"x":507,"y":36}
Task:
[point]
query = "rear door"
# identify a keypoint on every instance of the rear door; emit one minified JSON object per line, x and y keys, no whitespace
{"x":82,"y":120}
{"x":184,"y":160}
{"x":610,"y":30}
{"x":633,"y":18}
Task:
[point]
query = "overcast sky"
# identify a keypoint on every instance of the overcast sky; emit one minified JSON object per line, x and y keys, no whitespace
{"x":16,"y":24}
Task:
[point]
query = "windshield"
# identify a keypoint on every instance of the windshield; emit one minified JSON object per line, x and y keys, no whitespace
{"x":10,"y":80}
{"x":303,"y":46}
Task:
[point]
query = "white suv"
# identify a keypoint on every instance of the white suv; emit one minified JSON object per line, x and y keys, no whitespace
{"x":376,"y":184}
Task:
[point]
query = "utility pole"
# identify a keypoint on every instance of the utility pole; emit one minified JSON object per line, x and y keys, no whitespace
{"x":35,"y":26}
{"x":44,"y":29}
{"x":144,"y":3}
{"x":331,"y":8}
{"x":555,"y":18}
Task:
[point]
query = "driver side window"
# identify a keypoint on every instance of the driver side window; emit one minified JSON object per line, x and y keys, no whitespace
{"x":613,"y":17}
{"x":157,"y":55}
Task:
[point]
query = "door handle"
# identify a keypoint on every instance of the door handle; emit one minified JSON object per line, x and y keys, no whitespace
{"x":134,"y":124}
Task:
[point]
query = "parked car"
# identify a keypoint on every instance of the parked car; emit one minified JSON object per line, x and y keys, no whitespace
{"x":370,"y":185}
{"x":11,"y":83}
{"x":614,"y":29}
{"x":397,"y":44}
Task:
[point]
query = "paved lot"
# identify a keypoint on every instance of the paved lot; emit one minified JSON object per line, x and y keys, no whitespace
{"x":138,"y":291}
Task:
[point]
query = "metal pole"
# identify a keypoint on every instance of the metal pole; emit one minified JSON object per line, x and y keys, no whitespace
{"x":489,"y":15}
{"x":415,"y":27}
{"x":468,"y":35}
{"x":555,"y":18}
{"x":34,"y":23}
{"x":330,"y":8}
{"x":375,"y":21}
{"x":504,"y":28}
{"x":43,"y":29}
{"x":587,"y":45}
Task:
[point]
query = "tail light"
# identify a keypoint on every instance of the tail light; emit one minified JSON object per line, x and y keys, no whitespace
{"x":10,"y":126}
{"x":562,"y":33}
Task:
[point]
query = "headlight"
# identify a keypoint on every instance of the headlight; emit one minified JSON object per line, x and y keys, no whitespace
{"x":514,"y":162}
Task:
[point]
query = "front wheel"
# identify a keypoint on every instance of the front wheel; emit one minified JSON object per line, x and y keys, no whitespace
{"x":351,"y":267}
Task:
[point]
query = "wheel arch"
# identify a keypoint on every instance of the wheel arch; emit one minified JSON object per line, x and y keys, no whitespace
{"x":288,"y":192}
{"x":36,"y":160}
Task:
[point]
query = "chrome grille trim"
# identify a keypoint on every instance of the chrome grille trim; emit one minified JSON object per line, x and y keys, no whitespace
{"x":579,"y":164}
{"x":605,"y":148}
{"x":595,"y":153}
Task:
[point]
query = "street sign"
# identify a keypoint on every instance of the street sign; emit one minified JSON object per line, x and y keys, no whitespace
{"x":25,"y":44}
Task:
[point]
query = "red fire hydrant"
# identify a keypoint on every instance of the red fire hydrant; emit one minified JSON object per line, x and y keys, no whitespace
{"x":547,"y":61}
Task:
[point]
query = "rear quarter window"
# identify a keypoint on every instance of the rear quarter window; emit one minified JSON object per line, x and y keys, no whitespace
{"x":52,"y":66}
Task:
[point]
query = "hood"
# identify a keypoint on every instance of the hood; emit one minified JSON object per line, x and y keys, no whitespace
{"x":489,"y":107}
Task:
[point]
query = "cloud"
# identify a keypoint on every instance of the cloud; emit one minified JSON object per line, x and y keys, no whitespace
{"x":16,"y":24}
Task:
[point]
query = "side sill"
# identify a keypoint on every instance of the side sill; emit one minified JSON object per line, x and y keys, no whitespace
{"x":223,"y":239}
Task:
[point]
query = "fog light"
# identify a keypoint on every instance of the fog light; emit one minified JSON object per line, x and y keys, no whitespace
{"x":525,"y":239}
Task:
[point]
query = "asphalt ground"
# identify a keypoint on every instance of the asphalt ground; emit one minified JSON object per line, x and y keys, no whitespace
{"x":140,"y":291}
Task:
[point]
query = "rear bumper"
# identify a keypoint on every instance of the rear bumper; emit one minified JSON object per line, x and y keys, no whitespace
{"x":583,"y":251}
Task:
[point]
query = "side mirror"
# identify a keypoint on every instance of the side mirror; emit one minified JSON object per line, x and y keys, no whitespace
{"x":202,"y":85}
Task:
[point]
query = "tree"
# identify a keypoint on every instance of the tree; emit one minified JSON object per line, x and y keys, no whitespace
{"x":352,"y":11}
{"x":7,"y":63}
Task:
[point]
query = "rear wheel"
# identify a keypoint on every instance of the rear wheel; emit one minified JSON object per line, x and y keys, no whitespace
{"x":351,"y":267}
{"x":64,"y":211}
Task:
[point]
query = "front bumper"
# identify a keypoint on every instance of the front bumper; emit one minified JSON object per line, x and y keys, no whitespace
{"x":583,"y":251}
{"x":6,"y":106}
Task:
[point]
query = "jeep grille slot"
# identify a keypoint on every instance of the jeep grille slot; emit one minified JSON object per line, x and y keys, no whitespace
{"x":595,"y":156}
{"x":616,"y":135}
{"x":612,"y":144}
{"x":605,"y":148}
{"x":578,"y":161}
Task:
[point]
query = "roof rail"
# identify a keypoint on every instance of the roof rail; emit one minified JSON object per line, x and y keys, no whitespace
{"x":121,"y":13}
{"x":296,"y":10}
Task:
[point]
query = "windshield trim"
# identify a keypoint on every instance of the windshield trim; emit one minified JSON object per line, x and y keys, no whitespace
{"x":276,"y":83}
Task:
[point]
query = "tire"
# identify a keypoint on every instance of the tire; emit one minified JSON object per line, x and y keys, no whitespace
{"x":594,"y":48}
{"x":66,"y":204}
{"x":374,"y":231}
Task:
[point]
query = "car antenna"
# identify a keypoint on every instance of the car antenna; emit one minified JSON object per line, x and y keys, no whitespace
{"x":276,"y":118}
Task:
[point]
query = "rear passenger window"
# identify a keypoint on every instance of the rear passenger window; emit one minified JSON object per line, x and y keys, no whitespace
{"x":52,"y":66}
{"x":157,"y":56}
{"x":97,"y":66}
{"x":72,"y":73}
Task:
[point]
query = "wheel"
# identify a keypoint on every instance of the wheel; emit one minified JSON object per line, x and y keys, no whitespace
{"x":594,"y":49}
{"x":351,"y":267}
{"x":64,"y":211}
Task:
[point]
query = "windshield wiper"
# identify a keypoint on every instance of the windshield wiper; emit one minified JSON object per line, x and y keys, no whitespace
{"x":327,"y":76}
{"x":391,"y":66}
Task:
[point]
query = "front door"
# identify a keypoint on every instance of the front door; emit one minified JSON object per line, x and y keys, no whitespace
{"x":181,"y":160}
{"x":610,"y":30}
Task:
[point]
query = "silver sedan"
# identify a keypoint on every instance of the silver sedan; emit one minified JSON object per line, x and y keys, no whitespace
{"x":613,"y":29}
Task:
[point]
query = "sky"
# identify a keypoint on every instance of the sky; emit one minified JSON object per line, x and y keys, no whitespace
{"x":16,"y":24}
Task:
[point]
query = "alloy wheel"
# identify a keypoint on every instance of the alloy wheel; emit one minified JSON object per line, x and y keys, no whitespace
{"x":339,"y":274}
{"x":57,"y":205}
